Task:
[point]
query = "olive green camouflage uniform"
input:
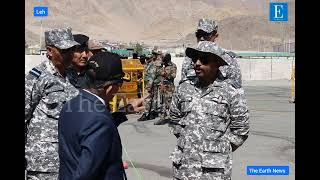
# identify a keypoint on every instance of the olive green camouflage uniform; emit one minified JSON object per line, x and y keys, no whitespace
{"x":152,"y":78}
{"x":166,"y":94}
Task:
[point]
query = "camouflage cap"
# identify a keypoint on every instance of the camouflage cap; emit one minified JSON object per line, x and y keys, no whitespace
{"x":207,"y":47}
{"x":207,"y":25}
{"x":94,"y":45}
{"x":156,"y":52}
{"x":60,"y":37}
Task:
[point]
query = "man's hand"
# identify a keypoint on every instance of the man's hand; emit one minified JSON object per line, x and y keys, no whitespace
{"x":136,"y":105}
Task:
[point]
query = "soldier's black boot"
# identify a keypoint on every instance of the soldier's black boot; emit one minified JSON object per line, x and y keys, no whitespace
{"x":154,"y":114}
{"x":144,"y":117}
{"x":161,"y":122}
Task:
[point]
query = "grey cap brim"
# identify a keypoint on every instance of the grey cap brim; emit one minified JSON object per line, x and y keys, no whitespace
{"x":66,"y":44}
{"x":97,"y":48}
{"x":194,"y":53}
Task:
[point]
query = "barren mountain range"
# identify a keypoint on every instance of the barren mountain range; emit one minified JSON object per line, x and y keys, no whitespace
{"x":243,"y":24}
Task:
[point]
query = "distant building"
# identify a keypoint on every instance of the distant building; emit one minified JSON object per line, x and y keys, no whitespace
{"x":43,"y":52}
{"x":32,"y":50}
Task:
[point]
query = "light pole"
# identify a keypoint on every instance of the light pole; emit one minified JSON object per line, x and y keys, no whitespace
{"x":181,"y":39}
{"x":40,"y":32}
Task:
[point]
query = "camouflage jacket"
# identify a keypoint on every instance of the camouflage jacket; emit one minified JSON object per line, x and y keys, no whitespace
{"x":230,"y":73}
{"x":209,"y":124}
{"x":153,"y":74}
{"x":45,"y":93}
{"x":171,"y":71}
{"x":78,"y":80}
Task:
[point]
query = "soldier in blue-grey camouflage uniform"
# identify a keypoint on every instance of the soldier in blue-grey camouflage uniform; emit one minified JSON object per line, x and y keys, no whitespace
{"x":207,"y":31}
{"x":209,"y":117}
{"x":46,"y":90}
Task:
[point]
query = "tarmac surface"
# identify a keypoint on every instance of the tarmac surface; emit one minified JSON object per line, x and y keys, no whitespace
{"x":271,"y":141}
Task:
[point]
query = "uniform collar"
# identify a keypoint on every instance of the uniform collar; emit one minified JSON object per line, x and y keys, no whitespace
{"x":103,"y":102}
{"x":206,"y":90}
{"x":51,"y":69}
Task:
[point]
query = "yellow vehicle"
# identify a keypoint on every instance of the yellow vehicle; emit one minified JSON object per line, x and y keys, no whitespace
{"x":129,"y":88}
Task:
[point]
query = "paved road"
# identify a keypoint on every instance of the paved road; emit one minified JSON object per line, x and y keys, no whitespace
{"x":271,"y":140}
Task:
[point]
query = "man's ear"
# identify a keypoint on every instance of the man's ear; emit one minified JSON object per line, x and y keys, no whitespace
{"x":49,"y":51}
{"x":215,"y":36}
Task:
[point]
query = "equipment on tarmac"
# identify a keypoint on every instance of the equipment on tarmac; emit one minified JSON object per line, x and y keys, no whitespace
{"x":129,"y":88}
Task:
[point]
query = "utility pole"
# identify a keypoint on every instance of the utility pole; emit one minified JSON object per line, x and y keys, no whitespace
{"x":283,"y":37}
{"x":40,"y":32}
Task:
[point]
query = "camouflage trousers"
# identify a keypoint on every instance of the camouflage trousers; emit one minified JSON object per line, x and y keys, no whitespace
{"x":194,"y":170}
{"x":151,"y":100}
{"x":195,"y":173}
{"x":36,"y":175}
{"x":166,"y":96}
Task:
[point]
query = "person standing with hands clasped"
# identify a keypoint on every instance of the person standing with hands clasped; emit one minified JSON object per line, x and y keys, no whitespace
{"x":209,"y":117}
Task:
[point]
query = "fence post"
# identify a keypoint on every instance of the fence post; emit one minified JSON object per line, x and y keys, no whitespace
{"x":271,"y":69}
{"x":250,"y":69}
{"x":293,"y":78}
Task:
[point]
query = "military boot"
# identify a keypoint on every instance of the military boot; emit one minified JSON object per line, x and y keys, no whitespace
{"x":161,"y":122}
{"x":144,"y":117}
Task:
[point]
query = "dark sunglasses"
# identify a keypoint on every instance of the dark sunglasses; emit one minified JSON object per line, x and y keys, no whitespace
{"x":203,"y":58}
{"x":205,"y":36}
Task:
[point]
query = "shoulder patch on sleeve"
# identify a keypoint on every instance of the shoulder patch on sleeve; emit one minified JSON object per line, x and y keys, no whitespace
{"x":235,"y":84}
{"x":35,"y":72}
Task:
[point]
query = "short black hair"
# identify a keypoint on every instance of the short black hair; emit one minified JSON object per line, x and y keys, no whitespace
{"x":167,"y":57}
{"x":142,"y":59}
{"x":81,"y":39}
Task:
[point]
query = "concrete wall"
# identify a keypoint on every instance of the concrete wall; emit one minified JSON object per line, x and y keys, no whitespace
{"x":257,"y":69}
{"x":266,"y":69}
{"x":31,"y":61}
{"x":251,"y":69}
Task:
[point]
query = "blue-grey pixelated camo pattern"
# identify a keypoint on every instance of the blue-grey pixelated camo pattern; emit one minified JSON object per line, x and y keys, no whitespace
{"x":206,"y":121}
{"x":207,"y":25}
{"x":44,"y":98}
{"x":60,"y":37}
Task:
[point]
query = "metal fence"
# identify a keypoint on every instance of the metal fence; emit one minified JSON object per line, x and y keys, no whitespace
{"x":285,"y":47}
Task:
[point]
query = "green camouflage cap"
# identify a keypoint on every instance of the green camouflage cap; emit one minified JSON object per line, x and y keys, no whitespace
{"x":60,"y":37}
{"x":207,"y":25}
